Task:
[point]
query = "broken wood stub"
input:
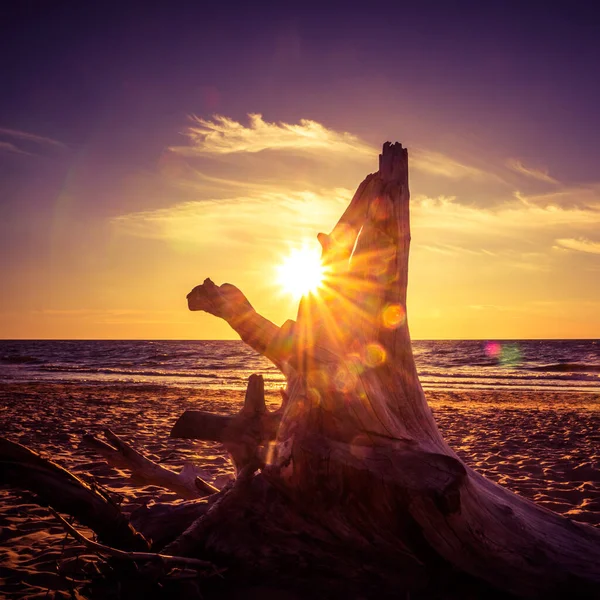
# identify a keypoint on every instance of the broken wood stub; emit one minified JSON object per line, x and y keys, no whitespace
{"x":246,"y":435}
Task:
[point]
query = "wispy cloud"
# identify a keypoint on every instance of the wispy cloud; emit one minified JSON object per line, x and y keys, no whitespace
{"x":25,"y":143}
{"x":8,"y":147}
{"x":490,"y":307}
{"x":30,"y":137}
{"x":582,"y":197}
{"x":511,"y":216}
{"x":92,"y":312}
{"x":222,"y":135}
{"x":579,"y":245}
{"x":237,"y":221}
{"x":452,"y":250}
{"x":111,"y":316}
{"x":539,"y":174}
{"x":436,"y":163}
{"x":517,"y":237}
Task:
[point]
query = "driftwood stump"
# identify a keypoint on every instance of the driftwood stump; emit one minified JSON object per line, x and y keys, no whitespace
{"x":357,"y":447}
{"x":349,"y":490}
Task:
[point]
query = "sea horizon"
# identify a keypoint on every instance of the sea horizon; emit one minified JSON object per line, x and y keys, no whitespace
{"x":566,"y":365}
{"x":236,"y":339}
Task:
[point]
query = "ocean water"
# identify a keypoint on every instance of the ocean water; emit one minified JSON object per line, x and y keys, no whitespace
{"x":471,"y":364}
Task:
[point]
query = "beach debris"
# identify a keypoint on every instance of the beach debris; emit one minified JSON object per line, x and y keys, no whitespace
{"x":189,"y":483}
{"x":67,"y":493}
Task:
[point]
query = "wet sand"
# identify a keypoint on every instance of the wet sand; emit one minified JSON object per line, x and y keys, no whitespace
{"x":543,"y":445}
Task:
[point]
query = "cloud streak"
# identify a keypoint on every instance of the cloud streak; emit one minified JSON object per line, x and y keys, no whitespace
{"x":539,"y":174}
{"x":8,"y":147}
{"x":579,"y":245}
{"x":222,"y":135}
{"x":581,"y":197}
{"x":447,"y":214}
{"x":30,"y":137}
{"x":25,"y":143}
{"x":438,"y":164}
{"x":239,"y":221}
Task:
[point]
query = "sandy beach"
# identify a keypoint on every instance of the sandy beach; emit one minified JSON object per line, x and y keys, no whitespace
{"x":543,"y":445}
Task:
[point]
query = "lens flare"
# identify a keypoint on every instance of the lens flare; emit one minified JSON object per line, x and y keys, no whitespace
{"x":510,"y":355}
{"x":393,"y":316}
{"x":506,"y":354}
{"x":493,"y":349}
{"x":344,"y":380}
{"x":375,"y":355}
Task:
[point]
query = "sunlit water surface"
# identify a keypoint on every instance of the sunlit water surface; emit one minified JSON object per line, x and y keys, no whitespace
{"x":569,"y":365}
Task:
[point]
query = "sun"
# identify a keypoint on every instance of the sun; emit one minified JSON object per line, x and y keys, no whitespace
{"x":301,"y":272}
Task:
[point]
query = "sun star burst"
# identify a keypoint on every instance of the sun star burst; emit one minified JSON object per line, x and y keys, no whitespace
{"x":301,"y":272}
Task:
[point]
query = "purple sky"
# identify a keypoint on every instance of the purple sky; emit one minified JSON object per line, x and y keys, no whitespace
{"x":93,"y":96}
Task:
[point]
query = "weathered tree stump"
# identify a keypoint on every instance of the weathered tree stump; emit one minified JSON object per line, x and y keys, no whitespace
{"x":357,"y":447}
{"x":349,"y":489}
